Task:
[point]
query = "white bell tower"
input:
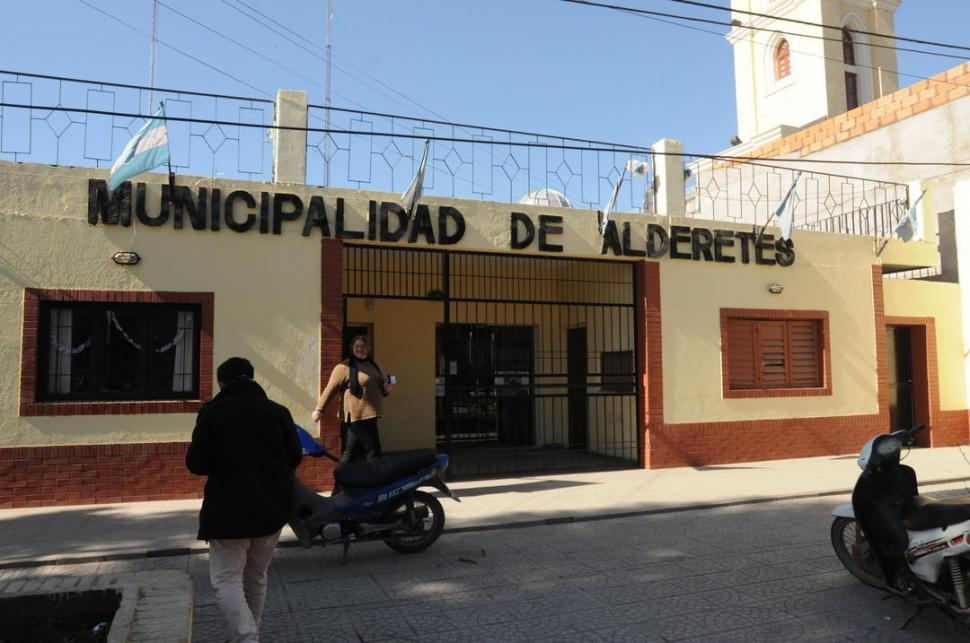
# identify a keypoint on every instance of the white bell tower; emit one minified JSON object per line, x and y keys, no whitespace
{"x":787,"y":77}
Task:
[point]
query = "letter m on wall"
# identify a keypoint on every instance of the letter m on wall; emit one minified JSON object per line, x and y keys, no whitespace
{"x":106,"y":207}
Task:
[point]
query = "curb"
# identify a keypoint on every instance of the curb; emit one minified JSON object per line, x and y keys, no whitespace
{"x":558,"y":520}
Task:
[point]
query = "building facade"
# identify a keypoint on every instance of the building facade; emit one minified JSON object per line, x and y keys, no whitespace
{"x":524,"y":338}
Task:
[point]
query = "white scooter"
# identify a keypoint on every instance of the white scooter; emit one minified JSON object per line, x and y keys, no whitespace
{"x":923,"y":544}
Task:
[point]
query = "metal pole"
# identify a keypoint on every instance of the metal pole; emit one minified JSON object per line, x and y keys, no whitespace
{"x":154,"y":54}
{"x":326,"y":95}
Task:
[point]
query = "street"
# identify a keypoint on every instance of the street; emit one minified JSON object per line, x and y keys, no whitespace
{"x":752,"y":572}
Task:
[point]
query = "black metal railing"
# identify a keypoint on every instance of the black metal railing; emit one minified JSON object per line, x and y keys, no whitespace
{"x":377,"y":151}
{"x":751,"y":192}
{"x":78,"y":122}
{"x":69,"y":121}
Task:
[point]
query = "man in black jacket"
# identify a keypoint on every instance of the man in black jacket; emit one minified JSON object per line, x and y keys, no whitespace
{"x":247,"y":445}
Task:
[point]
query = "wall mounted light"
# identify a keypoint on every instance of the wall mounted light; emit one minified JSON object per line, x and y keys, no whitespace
{"x":126,"y":258}
{"x":775,"y":288}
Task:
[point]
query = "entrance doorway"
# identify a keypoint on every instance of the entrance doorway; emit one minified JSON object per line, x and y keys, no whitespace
{"x":899,"y":354}
{"x":531,"y":357}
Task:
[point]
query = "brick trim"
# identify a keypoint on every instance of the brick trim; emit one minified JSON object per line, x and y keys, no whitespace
{"x":780,"y":315}
{"x":29,"y":406}
{"x":103,"y":473}
{"x":892,"y":108}
{"x":926,"y":380}
{"x":650,"y":356}
{"x":331,"y":329}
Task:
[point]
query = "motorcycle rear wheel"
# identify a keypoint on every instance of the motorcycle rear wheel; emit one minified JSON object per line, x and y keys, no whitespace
{"x":856,"y":553}
{"x":412,"y":538}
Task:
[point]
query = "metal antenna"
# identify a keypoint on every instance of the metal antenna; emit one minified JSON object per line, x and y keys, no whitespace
{"x":326,"y":95}
{"x":154,"y":56}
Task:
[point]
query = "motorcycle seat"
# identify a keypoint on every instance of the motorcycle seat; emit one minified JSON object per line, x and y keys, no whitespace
{"x":384,"y":469}
{"x":924,"y":512}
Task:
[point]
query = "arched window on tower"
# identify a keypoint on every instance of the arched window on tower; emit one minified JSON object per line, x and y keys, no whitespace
{"x":851,"y":76}
{"x":782,"y":60}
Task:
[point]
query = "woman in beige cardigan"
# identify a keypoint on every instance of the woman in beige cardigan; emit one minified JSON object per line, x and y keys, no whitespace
{"x":364,"y":388}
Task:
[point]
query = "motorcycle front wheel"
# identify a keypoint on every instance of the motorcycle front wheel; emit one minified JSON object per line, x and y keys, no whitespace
{"x":419,"y":529}
{"x":856,"y":553}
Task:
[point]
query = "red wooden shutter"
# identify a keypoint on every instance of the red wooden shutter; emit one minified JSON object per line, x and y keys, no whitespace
{"x":742,"y":373}
{"x":806,"y":354}
{"x":773,"y":357}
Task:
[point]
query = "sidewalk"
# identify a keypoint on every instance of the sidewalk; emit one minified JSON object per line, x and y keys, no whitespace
{"x":132,"y":530}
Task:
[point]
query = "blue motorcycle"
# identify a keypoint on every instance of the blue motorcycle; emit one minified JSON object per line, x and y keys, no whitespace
{"x":378,"y":500}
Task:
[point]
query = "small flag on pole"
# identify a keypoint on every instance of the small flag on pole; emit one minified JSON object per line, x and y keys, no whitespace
{"x":604,"y":216}
{"x":146,"y":151}
{"x":413,"y":193}
{"x":910,"y":227}
{"x":785,"y":211}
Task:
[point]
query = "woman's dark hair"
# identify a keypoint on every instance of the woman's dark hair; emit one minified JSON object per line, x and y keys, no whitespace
{"x":355,"y":388}
{"x":233,"y":369}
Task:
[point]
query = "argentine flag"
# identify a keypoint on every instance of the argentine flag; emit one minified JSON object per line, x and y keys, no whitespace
{"x":147,"y":150}
{"x":910,"y":226}
{"x":785,"y":211}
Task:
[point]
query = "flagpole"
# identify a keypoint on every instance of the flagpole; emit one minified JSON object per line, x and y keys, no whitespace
{"x":171,"y":174}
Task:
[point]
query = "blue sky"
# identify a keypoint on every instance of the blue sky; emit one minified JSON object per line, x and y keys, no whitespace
{"x":537,"y":65}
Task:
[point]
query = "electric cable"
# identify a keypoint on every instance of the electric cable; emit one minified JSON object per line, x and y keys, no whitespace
{"x":176,"y":49}
{"x":662,"y":14}
{"x":251,"y":50}
{"x":821,"y":24}
{"x":765,"y":45}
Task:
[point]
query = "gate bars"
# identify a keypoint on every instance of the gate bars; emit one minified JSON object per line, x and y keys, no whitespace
{"x":534,"y":356}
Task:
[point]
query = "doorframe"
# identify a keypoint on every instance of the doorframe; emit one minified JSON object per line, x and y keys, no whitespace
{"x":926,"y":385}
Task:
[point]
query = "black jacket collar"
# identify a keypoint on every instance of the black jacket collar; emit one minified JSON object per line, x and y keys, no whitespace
{"x":242,"y":386}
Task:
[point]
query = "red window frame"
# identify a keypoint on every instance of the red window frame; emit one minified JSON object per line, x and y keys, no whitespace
{"x":31,"y":406}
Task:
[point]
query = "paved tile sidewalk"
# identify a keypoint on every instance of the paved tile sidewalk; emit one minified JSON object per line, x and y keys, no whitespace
{"x":134,"y":529}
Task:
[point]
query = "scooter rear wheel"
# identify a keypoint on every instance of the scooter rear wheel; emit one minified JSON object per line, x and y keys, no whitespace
{"x":856,"y":553}
{"x":416,"y":533}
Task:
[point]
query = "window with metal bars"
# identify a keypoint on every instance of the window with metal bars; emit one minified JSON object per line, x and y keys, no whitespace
{"x":773,"y":354}
{"x":118,"y":351}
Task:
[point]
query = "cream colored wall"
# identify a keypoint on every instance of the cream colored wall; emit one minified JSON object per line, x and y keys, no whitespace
{"x":267,"y":290}
{"x":267,"y":301}
{"x":941,"y":301}
{"x":404,"y":345}
{"x":831,"y":273}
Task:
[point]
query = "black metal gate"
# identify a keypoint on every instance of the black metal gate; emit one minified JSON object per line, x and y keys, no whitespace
{"x":535,"y":365}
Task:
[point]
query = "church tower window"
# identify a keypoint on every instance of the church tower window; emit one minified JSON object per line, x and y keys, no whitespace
{"x":851,"y":77}
{"x":782,"y":60}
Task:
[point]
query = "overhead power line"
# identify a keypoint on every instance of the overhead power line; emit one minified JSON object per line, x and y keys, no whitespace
{"x":723,"y":23}
{"x":176,"y":49}
{"x":319,"y":53}
{"x":764,"y":45}
{"x":757,"y":14}
{"x":626,"y":149}
{"x":248,"y":49}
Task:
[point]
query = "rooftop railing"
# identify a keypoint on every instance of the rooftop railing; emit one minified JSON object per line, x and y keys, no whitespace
{"x":750,"y":192}
{"x":70,"y":121}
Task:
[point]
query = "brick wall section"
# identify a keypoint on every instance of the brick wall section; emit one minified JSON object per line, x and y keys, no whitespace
{"x":910,"y":101}
{"x":97,"y":474}
{"x":331,"y":335}
{"x":28,"y":361}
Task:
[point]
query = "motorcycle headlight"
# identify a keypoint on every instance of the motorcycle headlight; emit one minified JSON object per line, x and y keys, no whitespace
{"x":888,"y":447}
